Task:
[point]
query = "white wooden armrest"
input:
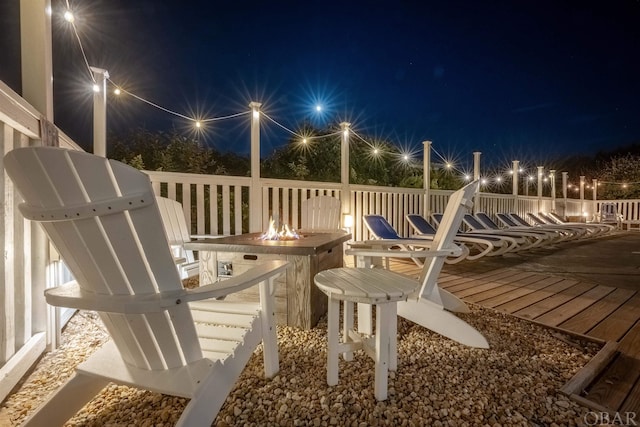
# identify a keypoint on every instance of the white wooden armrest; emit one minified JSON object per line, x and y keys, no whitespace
{"x":72,"y":296}
{"x":403,"y":253}
{"x":245,"y":280}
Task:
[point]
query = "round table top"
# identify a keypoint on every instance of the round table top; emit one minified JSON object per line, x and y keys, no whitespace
{"x":365,"y":285}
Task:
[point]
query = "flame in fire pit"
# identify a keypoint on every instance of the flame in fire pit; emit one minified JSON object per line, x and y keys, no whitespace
{"x":284,"y":233}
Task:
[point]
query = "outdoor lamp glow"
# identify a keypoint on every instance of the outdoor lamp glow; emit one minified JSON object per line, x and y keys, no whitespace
{"x":347,"y":220}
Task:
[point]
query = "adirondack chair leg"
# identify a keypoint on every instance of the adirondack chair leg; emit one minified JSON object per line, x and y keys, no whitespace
{"x":67,"y":400}
{"x":393,"y":338}
{"x":333,"y":313}
{"x":347,"y":326}
{"x":364,"y":319}
{"x":269,"y":332}
{"x":212,"y":392}
{"x":384,"y":315}
{"x":452,"y":302}
{"x":432,"y":316}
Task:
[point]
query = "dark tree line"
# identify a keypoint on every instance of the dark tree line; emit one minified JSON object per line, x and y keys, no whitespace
{"x":318,"y":159}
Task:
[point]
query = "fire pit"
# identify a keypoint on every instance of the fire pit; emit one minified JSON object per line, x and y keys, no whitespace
{"x":282,"y":233}
{"x":298,"y":302}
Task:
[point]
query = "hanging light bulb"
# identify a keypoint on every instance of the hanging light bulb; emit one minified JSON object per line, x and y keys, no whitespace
{"x":117,"y":91}
{"x":198,"y":124}
{"x":96,"y":88}
{"x":68,"y":16}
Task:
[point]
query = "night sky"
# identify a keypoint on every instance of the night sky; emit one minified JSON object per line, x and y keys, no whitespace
{"x":513,"y":79}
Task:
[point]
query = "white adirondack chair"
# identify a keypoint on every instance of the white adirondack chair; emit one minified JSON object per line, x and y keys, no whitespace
{"x":103,"y":218}
{"x":175,"y":226}
{"x":320,"y":213}
{"x":431,"y":306}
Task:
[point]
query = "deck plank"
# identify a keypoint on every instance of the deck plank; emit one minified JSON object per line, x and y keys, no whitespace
{"x":612,"y":388}
{"x":473,"y":287}
{"x":632,"y":402}
{"x":619,"y":322}
{"x":505,"y":288}
{"x":575,"y":306}
{"x":535,"y":297}
{"x":630,"y":343}
{"x":520,"y":291}
{"x":596,"y":313}
{"x":541,"y":307}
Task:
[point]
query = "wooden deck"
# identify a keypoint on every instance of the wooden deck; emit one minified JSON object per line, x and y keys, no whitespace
{"x":604,"y":313}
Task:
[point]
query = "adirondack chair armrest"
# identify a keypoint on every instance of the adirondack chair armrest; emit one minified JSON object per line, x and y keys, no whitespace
{"x":385,"y":246}
{"x":381,"y":252}
{"x":245,"y":280}
{"x":71,"y":295}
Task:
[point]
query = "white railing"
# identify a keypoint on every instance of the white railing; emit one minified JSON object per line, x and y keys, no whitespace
{"x":281,"y":200}
{"x":27,"y":324}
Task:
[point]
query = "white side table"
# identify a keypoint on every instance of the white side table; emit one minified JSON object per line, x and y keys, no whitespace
{"x":631,"y":224}
{"x":381,"y":288}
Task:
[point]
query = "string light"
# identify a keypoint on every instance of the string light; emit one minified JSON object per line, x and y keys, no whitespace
{"x":199,"y":122}
{"x":69,"y":17}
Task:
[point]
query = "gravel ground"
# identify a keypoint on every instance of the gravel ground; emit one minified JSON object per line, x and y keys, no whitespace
{"x":438,"y":382}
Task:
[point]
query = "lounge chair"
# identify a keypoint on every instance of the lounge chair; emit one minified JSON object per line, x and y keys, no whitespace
{"x":510,"y":224}
{"x":383,"y":232}
{"x":567,"y":233}
{"x":596,"y":228}
{"x":523,"y":242}
{"x":608,"y":214}
{"x":513,"y":243}
{"x":430,"y":306}
{"x":481,"y":245}
{"x":537,"y":238}
{"x":103,"y":218}
{"x":579,"y":231}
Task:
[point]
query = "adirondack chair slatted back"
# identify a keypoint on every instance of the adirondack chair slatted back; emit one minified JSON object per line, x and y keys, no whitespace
{"x":177,"y":230}
{"x":459,"y":203}
{"x":173,"y":218}
{"x":102,"y":217}
{"x":320,"y":213}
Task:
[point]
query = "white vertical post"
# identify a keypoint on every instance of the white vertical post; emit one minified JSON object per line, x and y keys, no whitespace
{"x":582,"y":212}
{"x":540,"y":172}
{"x":426,"y":177}
{"x":476,"y":165}
{"x":476,"y":177}
{"x":515,"y":167}
{"x":344,"y":171}
{"x":37,"y":89}
{"x":255,"y":192}
{"x":595,"y":196}
{"x":37,"y":66}
{"x":552,"y":177}
{"x":565,"y":180}
{"x":100,"y":111}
